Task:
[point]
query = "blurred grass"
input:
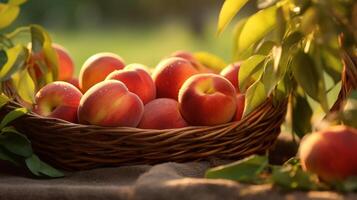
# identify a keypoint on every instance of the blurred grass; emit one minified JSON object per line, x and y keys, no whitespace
{"x":145,"y":45}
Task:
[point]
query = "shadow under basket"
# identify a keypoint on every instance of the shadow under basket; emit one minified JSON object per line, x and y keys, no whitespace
{"x":72,"y":147}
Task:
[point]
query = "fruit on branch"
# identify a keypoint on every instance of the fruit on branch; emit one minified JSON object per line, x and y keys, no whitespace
{"x":194,"y":62}
{"x":59,"y":100}
{"x":231,"y":73}
{"x":109,"y":103}
{"x":169,"y":76}
{"x":207,"y":99}
{"x":330,"y":153}
{"x":240,"y":107}
{"x":137,"y":80}
{"x":97,"y":68}
{"x":162,"y":113}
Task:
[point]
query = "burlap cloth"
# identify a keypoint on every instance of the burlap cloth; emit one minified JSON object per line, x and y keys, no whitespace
{"x":164,"y":181}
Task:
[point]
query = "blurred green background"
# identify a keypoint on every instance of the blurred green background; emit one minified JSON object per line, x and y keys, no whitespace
{"x":140,"y":31}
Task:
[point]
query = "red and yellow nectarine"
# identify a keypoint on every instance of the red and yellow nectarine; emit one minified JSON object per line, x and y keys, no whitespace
{"x":109,"y":103}
{"x":240,"y":107}
{"x":58,"y":100}
{"x":65,"y":63}
{"x":231,"y":73}
{"x":207,"y":99}
{"x":137,"y":80}
{"x":195,"y":63}
{"x":97,"y":68}
{"x":169,"y":76}
{"x":73,"y":81}
{"x":330,"y":153}
{"x":162,"y":113}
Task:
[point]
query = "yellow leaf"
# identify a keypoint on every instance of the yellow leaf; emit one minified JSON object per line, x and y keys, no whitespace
{"x":229,"y":9}
{"x":8,"y":14}
{"x":16,"y":2}
{"x":25,"y":86}
{"x":16,"y":58}
{"x":41,"y":41}
{"x":256,"y":27}
{"x":210,"y":61}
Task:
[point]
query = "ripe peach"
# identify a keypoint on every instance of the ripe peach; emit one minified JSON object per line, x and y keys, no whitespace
{"x":194,"y":62}
{"x":97,"y":68}
{"x":109,"y":103}
{"x":65,"y":63}
{"x":59,"y":100}
{"x":207,"y":99}
{"x":137,"y":80}
{"x":162,"y":113}
{"x":330,"y":153}
{"x":240,"y":107}
{"x":231,"y":73}
{"x":138,"y":66}
{"x":74,"y":81}
{"x":169,"y":76}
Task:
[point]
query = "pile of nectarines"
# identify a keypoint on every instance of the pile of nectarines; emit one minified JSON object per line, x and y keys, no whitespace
{"x":179,"y":92}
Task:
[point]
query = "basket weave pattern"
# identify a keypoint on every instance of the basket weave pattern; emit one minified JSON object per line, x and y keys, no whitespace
{"x":77,"y":147}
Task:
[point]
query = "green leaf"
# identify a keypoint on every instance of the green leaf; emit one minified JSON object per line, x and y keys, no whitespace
{"x":301,"y":116}
{"x":3,"y":100}
{"x":41,"y":43}
{"x":210,"y":61}
{"x":246,"y":170}
{"x":3,"y":58}
{"x":255,"y":96}
{"x":277,"y":53}
{"x":265,"y":47}
{"x":265,"y":3}
{"x":7,"y":156}
{"x":332,"y":64}
{"x":16,"y":2}
{"x":310,"y":77}
{"x":292,"y":39}
{"x":237,"y":31}
{"x":281,"y":25}
{"x":229,"y":9}
{"x":25,"y":86}
{"x":37,"y":167}
{"x":248,"y":68}
{"x":256,"y":27}
{"x":18,"y":112}
{"x":270,"y":77}
{"x":15,"y":142}
{"x":291,"y":176}
{"x":16,"y":58}
{"x":348,"y":185}
{"x":309,"y":20}
{"x":349,"y":111}
{"x":8,"y":14}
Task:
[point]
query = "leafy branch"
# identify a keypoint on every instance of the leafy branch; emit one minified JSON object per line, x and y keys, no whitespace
{"x":290,"y":176}
{"x":16,"y":68}
{"x":292,"y":48}
{"x":16,"y":148}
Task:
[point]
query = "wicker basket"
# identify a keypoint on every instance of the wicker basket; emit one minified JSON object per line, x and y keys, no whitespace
{"x":77,"y":147}
{"x":349,"y":79}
